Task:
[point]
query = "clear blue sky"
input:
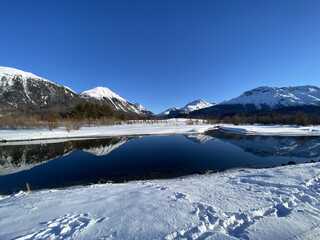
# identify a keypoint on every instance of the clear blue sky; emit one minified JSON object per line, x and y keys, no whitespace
{"x":164,"y":53}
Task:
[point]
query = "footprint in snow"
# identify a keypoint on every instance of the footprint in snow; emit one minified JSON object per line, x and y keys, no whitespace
{"x":63,"y":227}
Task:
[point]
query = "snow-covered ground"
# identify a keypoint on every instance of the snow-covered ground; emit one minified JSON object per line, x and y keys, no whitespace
{"x":171,"y":126}
{"x":278,"y":203}
{"x":272,"y":130}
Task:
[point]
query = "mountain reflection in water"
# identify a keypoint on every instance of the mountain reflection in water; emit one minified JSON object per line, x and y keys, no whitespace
{"x":268,"y":146}
{"x":15,"y":158}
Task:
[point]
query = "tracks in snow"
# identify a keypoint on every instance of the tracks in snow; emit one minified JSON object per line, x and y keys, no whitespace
{"x":66,"y":227}
{"x":236,"y":224}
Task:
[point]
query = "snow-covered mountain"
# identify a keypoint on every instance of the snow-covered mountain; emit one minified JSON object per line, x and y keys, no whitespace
{"x":24,"y":91}
{"x":144,"y":110}
{"x":273,"y":97}
{"x":196,"y":105}
{"x":170,"y":111}
{"x":263,"y":100}
{"x":190,"y":107}
{"x":118,"y":103}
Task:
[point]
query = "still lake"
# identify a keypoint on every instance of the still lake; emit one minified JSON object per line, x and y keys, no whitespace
{"x":119,"y":159}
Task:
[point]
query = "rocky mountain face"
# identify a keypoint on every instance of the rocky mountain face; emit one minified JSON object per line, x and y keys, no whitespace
{"x":26,"y":92}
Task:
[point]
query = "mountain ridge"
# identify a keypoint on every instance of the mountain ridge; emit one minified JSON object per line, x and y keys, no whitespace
{"x":189,"y":107}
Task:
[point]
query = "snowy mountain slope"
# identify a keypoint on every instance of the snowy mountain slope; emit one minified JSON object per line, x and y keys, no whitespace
{"x":273,"y":97}
{"x":105,"y":95}
{"x":25,"y":91}
{"x":192,"y":106}
{"x":196,"y":105}
{"x":168,"y":111}
{"x":140,"y":107}
{"x":144,"y":110}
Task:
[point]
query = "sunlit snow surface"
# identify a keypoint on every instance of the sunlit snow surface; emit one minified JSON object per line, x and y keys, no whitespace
{"x":278,"y":203}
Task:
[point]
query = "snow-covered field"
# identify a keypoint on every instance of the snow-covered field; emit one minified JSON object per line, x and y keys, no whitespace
{"x":272,"y":130}
{"x":278,"y":203}
{"x":171,"y":126}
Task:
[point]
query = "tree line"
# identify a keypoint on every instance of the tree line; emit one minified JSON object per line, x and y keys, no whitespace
{"x":272,"y":118}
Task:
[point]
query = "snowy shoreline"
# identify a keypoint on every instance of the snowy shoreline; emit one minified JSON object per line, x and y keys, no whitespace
{"x":277,"y":203}
{"x":272,"y":130}
{"x":164,"y":127}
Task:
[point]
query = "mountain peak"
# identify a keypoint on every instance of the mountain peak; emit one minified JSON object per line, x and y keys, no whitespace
{"x":196,"y":105}
{"x":101,"y":93}
{"x":140,"y":107}
{"x":144,"y":110}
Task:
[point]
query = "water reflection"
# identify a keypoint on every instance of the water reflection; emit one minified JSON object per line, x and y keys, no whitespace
{"x":271,"y":146}
{"x":16,"y":158}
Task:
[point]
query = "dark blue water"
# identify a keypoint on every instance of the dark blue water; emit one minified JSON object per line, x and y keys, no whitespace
{"x":122,"y":159}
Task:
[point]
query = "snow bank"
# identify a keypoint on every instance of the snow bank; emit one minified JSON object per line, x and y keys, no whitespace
{"x":171,"y":126}
{"x":278,"y":203}
{"x":273,"y":130}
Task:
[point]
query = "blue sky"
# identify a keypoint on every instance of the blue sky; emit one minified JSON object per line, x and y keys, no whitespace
{"x":164,"y":53}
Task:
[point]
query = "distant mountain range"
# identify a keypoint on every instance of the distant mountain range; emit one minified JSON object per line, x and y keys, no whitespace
{"x":25,"y":92}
